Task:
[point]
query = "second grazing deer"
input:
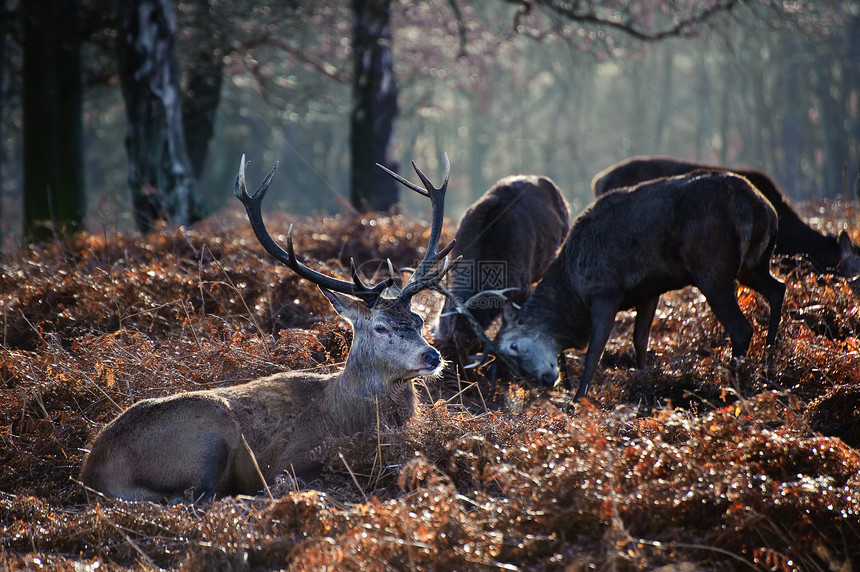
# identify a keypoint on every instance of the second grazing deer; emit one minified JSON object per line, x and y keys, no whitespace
{"x":222,"y":441}
{"x":827,"y":253}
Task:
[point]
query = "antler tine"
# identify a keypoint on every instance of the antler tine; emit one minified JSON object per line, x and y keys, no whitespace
{"x":462,"y":309}
{"x":359,"y":283}
{"x":421,"y":278}
{"x":403,"y":181}
{"x":253,"y":206}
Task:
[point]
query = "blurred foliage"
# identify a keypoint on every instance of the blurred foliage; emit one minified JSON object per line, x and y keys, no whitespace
{"x":686,"y":464}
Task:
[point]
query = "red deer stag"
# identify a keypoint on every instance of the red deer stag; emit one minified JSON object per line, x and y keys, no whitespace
{"x":827,"y":253}
{"x":629,"y":247}
{"x":507,"y":239}
{"x":210,"y":443}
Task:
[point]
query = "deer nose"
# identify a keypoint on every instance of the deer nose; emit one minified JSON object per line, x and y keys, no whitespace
{"x":432,"y":358}
{"x":549,"y":378}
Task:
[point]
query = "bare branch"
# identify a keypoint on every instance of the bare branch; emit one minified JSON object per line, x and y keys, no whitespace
{"x":625,"y":22}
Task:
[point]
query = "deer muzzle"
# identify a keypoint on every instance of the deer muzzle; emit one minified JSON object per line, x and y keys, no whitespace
{"x":432,"y":359}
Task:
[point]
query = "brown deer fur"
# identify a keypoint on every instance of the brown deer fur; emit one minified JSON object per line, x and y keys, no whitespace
{"x":630,"y":246}
{"x":159,"y":449}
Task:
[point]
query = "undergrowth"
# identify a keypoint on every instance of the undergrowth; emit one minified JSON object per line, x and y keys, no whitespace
{"x":688,"y":463}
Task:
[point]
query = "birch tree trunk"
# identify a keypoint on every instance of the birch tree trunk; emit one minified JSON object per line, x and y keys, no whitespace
{"x":159,"y":176}
{"x":374,"y":106}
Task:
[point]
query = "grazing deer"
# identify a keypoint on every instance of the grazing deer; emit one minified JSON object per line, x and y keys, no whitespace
{"x":507,"y":239}
{"x":827,"y":253}
{"x":211,"y":442}
{"x":627,"y":248}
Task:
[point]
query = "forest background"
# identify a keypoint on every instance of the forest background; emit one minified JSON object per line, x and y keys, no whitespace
{"x":502,"y":86}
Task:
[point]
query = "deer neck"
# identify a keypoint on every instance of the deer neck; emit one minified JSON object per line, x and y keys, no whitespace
{"x":558,"y":312}
{"x":367,"y":391}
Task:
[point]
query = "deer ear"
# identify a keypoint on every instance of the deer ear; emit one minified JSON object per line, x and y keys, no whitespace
{"x":510,"y":312}
{"x":347,"y":306}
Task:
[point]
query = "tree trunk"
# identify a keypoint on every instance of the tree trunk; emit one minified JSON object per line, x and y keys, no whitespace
{"x":831,"y":91}
{"x":203,"y":92}
{"x":54,"y":197}
{"x":664,"y":106}
{"x":374,"y":93}
{"x":792,"y":112}
{"x":852,"y":80}
{"x":159,"y":169}
{"x":3,"y":29}
{"x":703,"y":126}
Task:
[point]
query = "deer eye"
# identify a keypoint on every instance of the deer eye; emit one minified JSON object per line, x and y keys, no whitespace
{"x":381,"y":329}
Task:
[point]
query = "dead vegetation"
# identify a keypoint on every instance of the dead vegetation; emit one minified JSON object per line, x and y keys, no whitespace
{"x":686,"y":464}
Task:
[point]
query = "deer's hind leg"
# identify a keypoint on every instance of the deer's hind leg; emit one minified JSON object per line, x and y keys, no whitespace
{"x":721,"y":299}
{"x":762,"y":281}
{"x":642,"y":329}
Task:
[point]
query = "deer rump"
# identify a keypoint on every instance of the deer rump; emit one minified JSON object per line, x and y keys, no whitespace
{"x":707,"y":230}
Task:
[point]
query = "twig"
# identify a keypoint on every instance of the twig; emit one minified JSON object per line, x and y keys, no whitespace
{"x":242,"y":299}
{"x":351,"y":474}
{"x":193,"y":331}
{"x":102,"y":391}
{"x":147,"y":560}
{"x":378,"y":458}
{"x":257,"y":468}
{"x":35,"y":329}
{"x":459,"y":393}
{"x":670,"y":545}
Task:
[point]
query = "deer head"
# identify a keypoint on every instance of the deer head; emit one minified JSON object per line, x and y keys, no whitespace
{"x":387,"y":344}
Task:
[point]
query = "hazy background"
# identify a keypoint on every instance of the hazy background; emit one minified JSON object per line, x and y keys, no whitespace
{"x":746,"y":91}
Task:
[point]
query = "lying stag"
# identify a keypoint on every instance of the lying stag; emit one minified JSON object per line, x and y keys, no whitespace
{"x":210,"y":443}
{"x":629,"y":247}
{"x":827,"y":253}
{"x":507,"y":239}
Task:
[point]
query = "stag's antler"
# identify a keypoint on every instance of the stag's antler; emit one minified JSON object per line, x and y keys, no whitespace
{"x":422,"y":278}
{"x":369,"y":294}
{"x":489,"y":350}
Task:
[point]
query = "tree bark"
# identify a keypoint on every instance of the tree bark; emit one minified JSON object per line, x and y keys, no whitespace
{"x":666,"y":87}
{"x":374,"y":106}
{"x":203,"y":91}
{"x":54,"y":196}
{"x":3,"y":31}
{"x":160,"y":178}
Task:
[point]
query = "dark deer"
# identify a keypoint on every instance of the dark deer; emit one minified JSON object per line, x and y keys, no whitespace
{"x":826,"y":252}
{"x":211,"y":443}
{"x":507,"y":239}
{"x":630,"y":246}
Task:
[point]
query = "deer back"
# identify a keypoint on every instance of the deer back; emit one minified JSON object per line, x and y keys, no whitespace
{"x":646,"y":238}
{"x":795,"y":237}
{"x":507,"y":239}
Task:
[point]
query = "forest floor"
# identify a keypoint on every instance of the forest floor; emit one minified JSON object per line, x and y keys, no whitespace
{"x":684,"y":465}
